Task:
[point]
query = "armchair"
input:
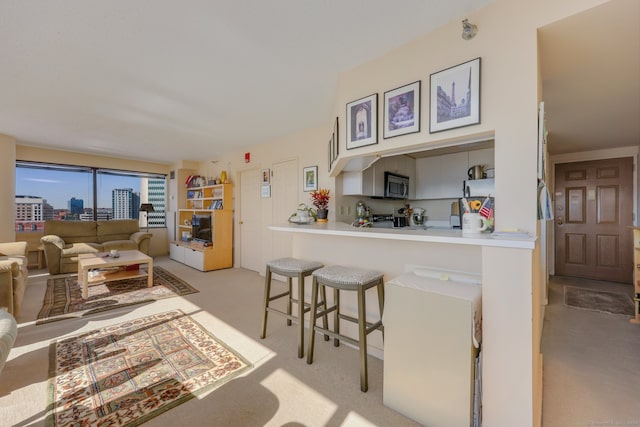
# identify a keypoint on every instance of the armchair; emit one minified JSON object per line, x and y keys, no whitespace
{"x":13,"y":275}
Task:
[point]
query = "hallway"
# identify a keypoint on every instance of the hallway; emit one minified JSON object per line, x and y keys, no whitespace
{"x":591,"y":362}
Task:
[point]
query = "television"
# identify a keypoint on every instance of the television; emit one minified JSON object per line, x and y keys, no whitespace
{"x":201,"y":227}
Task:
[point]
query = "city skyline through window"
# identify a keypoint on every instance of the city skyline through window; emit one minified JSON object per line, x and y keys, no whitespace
{"x":45,"y":191}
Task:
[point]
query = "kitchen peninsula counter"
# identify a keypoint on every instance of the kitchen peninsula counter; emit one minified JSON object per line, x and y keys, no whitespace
{"x":429,"y":235}
{"x":512,"y":292}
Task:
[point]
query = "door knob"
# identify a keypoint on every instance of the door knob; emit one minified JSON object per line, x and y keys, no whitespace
{"x":559,"y":221}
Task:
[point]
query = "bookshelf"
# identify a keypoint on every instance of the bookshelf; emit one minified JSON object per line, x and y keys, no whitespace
{"x":216,"y":201}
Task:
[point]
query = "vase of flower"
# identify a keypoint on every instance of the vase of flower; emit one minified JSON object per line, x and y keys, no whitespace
{"x":320,"y":199}
{"x":322,"y":215}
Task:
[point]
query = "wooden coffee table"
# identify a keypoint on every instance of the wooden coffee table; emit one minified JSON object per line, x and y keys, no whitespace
{"x":107,"y":268}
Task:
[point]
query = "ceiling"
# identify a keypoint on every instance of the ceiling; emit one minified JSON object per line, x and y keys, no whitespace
{"x":590,"y":65}
{"x":162,"y":80}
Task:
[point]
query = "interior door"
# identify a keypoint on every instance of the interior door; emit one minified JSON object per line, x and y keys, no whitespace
{"x":250,"y":181}
{"x":593,"y":211}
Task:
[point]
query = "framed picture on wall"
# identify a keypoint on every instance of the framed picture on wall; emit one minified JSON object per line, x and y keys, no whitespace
{"x":265,"y":191}
{"x":310,"y":178}
{"x":454,"y":97}
{"x":333,"y":145}
{"x":266,"y":176}
{"x":362,"y":122}
{"x":402,"y":110}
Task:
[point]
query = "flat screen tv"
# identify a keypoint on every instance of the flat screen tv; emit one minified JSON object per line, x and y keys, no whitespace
{"x":201,"y":227}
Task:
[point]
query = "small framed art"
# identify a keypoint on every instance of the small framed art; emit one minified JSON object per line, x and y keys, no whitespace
{"x":266,"y":176}
{"x":362,"y":122}
{"x":333,"y":145}
{"x":402,"y":110}
{"x":454,"y":98}
{"x":310,"y":178}
{"x":265,"y":190}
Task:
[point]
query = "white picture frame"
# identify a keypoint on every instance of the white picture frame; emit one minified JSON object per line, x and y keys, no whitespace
{"x":310,"y":178}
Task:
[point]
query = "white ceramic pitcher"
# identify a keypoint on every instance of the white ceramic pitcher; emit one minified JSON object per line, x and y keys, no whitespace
{"x":473,"y":223}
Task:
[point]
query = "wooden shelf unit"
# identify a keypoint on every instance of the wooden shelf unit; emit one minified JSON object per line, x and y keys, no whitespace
{"x":636,"y":275}
{"x":216,"y":200}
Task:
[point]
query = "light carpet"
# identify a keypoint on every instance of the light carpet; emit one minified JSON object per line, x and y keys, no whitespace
{"x":128,"y":373}
{"x":63,"y":297}
{"x":595,"y":300}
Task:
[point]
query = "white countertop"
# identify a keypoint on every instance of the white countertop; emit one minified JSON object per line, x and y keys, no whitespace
{"x":431,"y":235}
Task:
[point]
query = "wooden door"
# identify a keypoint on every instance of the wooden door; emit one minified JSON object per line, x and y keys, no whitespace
{"x":250,"y":181}
{"x":593,"y":211}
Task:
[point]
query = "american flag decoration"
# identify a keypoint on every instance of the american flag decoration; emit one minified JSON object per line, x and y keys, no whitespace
{"x":486,"y":210}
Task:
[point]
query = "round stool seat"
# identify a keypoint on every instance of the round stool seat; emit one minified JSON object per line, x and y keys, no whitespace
{"x":286,"y":266}
{"x":348,"y":278}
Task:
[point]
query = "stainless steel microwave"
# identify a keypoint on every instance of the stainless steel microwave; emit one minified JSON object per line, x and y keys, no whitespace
{"x":396,"y":186}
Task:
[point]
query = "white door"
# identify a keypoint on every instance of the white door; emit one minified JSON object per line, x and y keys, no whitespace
{"x":249,"y":208}
{"x":284,"y":191}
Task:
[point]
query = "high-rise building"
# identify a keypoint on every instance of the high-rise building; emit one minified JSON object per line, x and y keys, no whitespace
{"x":125,"y":203}
{"x":154,"y":191}
{"x":76,"y":206}
{"x":31,"y":212}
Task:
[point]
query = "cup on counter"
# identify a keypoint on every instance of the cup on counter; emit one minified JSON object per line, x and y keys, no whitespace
{"x":473,"y":223}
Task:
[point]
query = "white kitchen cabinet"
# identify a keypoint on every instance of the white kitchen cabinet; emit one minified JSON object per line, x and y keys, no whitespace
{"x":369,"y":182}
{"x":484,"y":157}
{"x":441,"y":177}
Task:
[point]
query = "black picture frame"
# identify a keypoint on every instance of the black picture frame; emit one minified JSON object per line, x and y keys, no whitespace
{"x":401,"y":111}
{"x":454,"y":97}
{"x":334,"y":145}
{"x":362,"y":122}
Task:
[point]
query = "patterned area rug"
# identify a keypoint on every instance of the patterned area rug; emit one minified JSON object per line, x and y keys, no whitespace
{"x":129,"y":373}
{"x":63,"y":298}
{"x":602,"y":301}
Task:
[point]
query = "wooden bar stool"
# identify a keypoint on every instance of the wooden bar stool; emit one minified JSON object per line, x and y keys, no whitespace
{"x":290,"y":268}
{"x":346,"y":279}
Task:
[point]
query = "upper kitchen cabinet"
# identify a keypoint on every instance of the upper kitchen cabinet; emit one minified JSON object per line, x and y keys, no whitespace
{"x":370,"y":181}
{"x":440,"y":177}
{"x":482,"y":157}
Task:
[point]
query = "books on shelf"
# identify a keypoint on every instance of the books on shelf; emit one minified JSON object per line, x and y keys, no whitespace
{"x":216,"y":204}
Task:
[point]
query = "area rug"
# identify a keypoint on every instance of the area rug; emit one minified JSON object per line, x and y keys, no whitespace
{"x":602,"y":301}
{"x":63,"y":297}
{"x":126,"y":374}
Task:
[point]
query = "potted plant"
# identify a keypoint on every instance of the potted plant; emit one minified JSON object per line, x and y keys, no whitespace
{"x":304,"y":214}
{"x":320,"y":199}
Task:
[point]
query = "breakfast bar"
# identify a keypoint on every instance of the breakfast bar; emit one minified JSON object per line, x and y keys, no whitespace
{"x":512,"y":305}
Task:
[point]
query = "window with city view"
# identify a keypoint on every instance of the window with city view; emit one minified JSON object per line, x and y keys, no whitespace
{"x":76,"y":193}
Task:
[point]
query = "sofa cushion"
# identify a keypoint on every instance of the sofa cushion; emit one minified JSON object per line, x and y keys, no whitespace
{"x":8,"y":334}
{"x":72,"y":231}
{"x":80,"y":248}
{"x":116,"y":229}
{"x":121,"y":245}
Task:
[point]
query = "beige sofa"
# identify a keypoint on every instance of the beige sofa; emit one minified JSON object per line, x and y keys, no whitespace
{"x":13,"y":275}
{"x":63,"y":241}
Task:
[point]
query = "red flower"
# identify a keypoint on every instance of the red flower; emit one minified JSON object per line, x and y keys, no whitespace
{"x":320,"y":198}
